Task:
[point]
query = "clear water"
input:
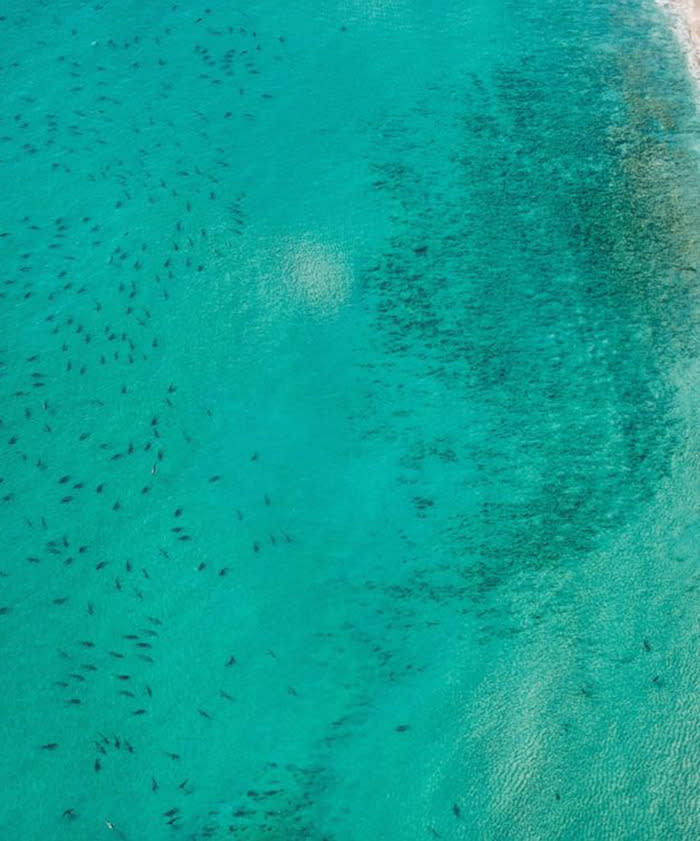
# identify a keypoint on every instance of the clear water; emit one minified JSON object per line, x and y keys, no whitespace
{"x":393,"y":310}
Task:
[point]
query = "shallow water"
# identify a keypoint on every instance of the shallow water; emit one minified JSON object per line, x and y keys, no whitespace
{"x":349,"y":422}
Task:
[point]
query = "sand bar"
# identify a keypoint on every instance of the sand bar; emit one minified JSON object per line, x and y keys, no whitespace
{"x":687,"y":24}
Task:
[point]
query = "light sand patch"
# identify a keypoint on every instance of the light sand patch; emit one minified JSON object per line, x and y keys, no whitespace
{"x":686,"y":23}
{"x":317,"y":275}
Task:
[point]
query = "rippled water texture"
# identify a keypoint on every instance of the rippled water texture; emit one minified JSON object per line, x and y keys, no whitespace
{"x":349,"y":422}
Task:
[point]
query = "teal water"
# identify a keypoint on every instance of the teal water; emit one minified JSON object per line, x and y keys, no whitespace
{"x":349,"y":362}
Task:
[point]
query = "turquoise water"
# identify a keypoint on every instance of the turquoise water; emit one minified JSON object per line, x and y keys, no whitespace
{"x":349,"y":375}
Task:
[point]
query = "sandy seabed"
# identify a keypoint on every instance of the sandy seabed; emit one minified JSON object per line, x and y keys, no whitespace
{"x":687,"y":26}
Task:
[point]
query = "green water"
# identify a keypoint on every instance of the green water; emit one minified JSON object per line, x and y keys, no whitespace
{"x":349,"y":453}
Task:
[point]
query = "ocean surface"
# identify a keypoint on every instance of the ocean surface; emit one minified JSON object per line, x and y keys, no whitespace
{"x":349,"y":422}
